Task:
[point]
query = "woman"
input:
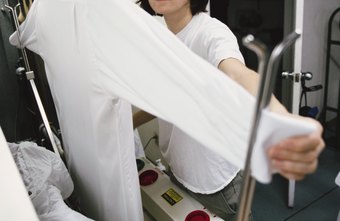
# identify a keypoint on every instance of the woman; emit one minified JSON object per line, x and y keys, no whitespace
{"x":206,"y":176}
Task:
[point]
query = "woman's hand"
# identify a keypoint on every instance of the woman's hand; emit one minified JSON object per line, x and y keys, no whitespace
{"x":297,"y":156}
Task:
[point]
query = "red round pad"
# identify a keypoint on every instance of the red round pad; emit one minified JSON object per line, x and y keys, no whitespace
{"x":197,"y":215}
{"x":148,"y":177}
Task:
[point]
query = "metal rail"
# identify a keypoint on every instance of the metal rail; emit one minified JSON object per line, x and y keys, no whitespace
{"x":30,"y":77}
{"x":268,"y":73}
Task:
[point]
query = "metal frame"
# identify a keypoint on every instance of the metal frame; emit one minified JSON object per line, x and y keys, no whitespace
{"x":30,"y":77}
{"x":331,"y":42}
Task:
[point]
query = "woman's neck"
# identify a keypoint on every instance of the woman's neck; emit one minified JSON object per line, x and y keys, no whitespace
{"x":178,"y":20}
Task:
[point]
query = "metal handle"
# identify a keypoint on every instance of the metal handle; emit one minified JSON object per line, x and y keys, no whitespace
{"x":267,"y":71}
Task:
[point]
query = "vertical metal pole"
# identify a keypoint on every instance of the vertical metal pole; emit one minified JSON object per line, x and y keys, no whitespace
{"x":298,"y":15}
{"x":30,"y":76}
{"x":248,"y":184}
{"x":295,"y":110}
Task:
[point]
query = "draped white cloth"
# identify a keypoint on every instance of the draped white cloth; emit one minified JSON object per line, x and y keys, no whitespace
{"x":47,"y":181}
{"x":15,"y":202}
{"x":100,"y":57}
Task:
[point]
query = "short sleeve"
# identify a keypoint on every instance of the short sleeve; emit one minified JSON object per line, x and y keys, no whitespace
{"x":221,"y":44}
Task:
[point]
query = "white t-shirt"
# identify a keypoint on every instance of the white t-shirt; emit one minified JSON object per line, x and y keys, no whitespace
{"x":197,"y":167}
{"x":102,"y":56}
{"x":210,"y":39}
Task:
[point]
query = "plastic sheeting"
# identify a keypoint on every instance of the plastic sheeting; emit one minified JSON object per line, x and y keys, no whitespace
{"x":12,"y":190}
{"x":47,"y":181}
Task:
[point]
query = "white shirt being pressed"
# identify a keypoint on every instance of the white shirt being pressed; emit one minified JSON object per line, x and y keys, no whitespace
{"x":102,"y":56}
{"x":197,"y":167}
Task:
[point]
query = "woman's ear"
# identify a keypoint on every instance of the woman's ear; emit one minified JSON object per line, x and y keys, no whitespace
{"x":24,"y":8}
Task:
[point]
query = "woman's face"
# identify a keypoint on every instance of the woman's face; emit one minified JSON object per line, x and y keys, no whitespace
{"x":165,"y":7}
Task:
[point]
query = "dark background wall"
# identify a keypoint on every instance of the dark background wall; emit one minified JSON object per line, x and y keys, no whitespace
{"x":9,"y":91}
{"x":262,"y":18}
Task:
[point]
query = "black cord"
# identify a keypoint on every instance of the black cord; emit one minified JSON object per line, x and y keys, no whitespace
{"x":303,"y":95}
{"x":147,"y":143}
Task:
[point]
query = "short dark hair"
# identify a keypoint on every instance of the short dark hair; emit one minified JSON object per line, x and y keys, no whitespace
{"x":196,"y":6}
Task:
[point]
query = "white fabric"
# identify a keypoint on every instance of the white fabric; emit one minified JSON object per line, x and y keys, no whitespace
{"x":12,"y":189}
{"x":272,"y":129}
{"x":47,"y":181}
{"x":139,"y":149}
{"x":100,"y":55}
{"x":194,"y":165}
{"x":210,"y":39}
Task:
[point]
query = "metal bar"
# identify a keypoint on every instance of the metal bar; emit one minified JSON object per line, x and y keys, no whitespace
{"x":295,"y":110}
{"x":291,"y":193}
{"x":337,"y":130}
{"x":30,"y":77}
{"x":16,"y":23}
{"x":333,"y":109}
{"x":327,"y":69}
{"x":334,"y":42}
{"x":268,"y":73}
{"x":248,"y":183}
